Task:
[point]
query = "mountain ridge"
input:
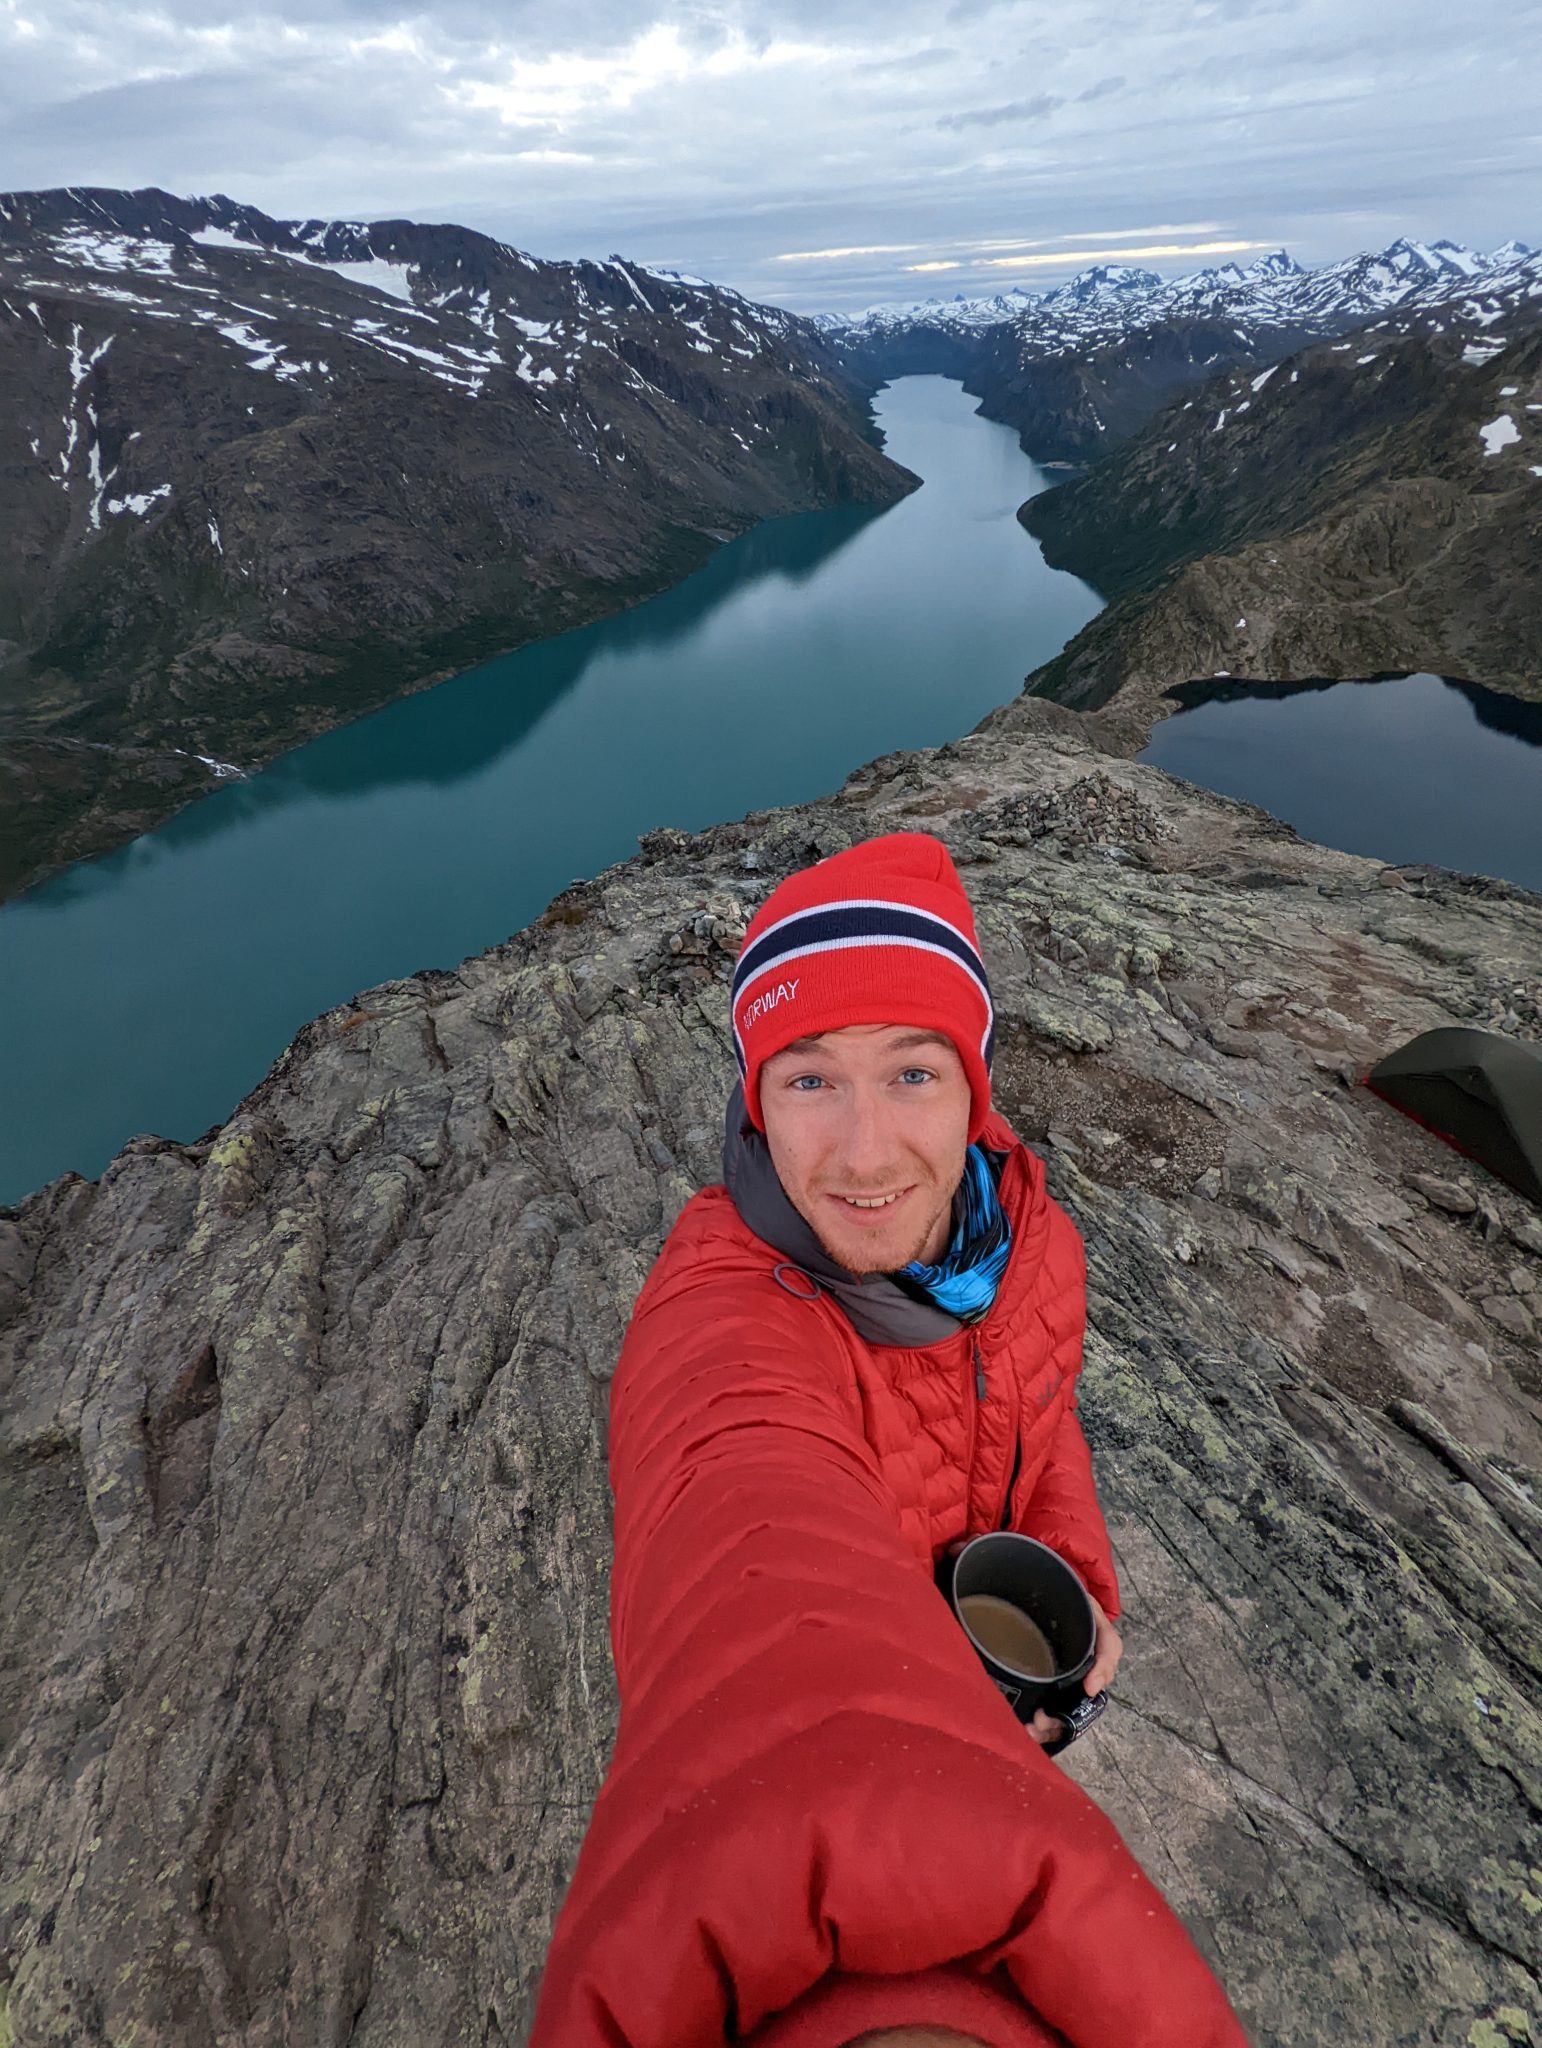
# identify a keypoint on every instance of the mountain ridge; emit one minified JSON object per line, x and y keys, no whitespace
{"x":1407,"y":270}
{"x":262,"y":476}
{"x":1083,"y":367}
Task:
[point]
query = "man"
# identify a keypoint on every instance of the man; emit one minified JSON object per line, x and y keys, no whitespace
{"x":822,"y":1824}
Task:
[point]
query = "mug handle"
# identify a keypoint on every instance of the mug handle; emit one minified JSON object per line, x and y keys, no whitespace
{"x":1077,"y":1721}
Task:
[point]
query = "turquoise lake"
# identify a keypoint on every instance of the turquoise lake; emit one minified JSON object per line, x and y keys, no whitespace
{"x":150,"y":989}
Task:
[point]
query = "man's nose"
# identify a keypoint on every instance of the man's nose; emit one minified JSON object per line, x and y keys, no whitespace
{"x":868,"y":1147}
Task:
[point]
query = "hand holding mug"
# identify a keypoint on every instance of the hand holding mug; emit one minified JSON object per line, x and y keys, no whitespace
{"x":1045,"y":1642}
{"x":1107,"y":1650}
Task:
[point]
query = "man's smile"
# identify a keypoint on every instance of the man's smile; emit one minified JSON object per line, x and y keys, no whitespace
{"x":870,"y":1205}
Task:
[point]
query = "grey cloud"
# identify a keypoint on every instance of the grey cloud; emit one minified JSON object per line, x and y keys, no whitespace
{"x":1245,"y":10}
{"x":916,"y":60}
{"x":263,"y":117}
{"x":1012,"y":123}
{"x":1016,"y":110}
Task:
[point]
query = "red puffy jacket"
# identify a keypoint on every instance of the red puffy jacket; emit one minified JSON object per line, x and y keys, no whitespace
{"x":821,"y":1817}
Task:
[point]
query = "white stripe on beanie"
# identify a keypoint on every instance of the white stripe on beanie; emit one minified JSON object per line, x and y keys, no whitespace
{"x":781,"y":960}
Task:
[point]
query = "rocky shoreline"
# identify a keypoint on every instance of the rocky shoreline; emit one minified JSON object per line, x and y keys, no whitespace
{"x":1366,"y":509}
{"x":304,"y":1689}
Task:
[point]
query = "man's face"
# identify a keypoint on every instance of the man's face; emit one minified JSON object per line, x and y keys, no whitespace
{"x":877,"y":1113}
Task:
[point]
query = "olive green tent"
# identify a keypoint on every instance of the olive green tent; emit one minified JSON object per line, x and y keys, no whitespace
{"x":1480,"y":1091}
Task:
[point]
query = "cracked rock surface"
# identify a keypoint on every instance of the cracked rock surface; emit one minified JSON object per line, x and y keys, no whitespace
{"x":304,"y":1687}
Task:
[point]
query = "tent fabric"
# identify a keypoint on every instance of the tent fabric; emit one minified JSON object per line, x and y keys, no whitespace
{"x":1479,"y":1090}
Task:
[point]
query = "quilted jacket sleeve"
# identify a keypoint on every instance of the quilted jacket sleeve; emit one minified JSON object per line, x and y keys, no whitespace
{"x":1063,"y":1512}
{"x":813,"y":1777}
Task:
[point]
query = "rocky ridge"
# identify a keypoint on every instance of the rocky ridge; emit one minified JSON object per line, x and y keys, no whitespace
{"x":258,"y":477}
{"x":1371,"y":506}
{"x":303,"y":1682}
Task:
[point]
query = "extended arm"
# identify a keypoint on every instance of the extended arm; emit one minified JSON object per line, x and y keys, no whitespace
{"x":813,"y":1778}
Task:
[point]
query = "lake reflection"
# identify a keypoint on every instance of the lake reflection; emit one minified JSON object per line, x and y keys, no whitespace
{"x":148,"y":990}
{"x":1407,"y":769}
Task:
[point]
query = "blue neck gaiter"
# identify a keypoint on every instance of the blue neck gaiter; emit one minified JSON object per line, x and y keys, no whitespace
{"x":965,"y":1282}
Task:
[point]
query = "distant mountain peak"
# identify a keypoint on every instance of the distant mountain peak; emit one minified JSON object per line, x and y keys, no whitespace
{"x":1013,"y":291}
{"x":1443,"y":256}
{"x":1270,"y":298}
{"x":1101,"y":281}
{"x":1278,"y":263}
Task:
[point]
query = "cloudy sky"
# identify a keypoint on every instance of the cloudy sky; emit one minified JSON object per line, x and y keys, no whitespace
{"x":813,"y":152}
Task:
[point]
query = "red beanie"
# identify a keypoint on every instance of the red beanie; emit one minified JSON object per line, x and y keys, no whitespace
{"x":880,"y":934}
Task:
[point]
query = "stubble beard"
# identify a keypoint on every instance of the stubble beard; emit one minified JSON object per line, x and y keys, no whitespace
{"x":863,"y":1256}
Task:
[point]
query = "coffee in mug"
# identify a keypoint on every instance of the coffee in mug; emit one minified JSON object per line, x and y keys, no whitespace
{"x":1032,"y":1625}
{"x":1012,"y":1637}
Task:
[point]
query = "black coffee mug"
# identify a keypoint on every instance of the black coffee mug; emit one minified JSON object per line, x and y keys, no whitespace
{"x":1037,"y":1581}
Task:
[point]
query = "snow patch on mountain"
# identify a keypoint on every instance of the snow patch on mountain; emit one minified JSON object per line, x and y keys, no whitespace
{"x":89,"y":247}
{"x":248,"y":338}
{"x":139,"y":502}
{"x":221,"y":238}
{"x":373,"y":271}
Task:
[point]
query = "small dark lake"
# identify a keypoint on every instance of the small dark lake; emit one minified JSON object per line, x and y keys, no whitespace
{"x":1407,"y":769}
{"x":150,"y":989}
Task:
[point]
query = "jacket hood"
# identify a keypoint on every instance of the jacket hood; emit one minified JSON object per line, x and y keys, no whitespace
{"x":880,"y":1310}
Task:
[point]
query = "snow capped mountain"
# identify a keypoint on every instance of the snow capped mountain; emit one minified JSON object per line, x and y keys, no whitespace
{"x":958,"y":311}
{"x":1276,"y":264}
{"x":454,"y":305}
{"x":1105,"y":281}
{"x":1440,"y":259}
{"x":260,"y":476}
{"x":1272,"y":292}
{"x":1086,"y":365}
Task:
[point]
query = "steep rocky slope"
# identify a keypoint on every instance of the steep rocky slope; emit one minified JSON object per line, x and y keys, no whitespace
{"x":1371,"y":506}
{"x":1071,"y":406}
{"x":303,"y":1680}
{"x":258,"y":477}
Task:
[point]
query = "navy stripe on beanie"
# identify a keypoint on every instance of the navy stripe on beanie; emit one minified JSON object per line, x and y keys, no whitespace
{"x":807,"y":929}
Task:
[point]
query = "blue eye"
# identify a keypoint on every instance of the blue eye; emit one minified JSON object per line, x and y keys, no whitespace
{"x":806,"y":1083}
{"x":918,"y":1074}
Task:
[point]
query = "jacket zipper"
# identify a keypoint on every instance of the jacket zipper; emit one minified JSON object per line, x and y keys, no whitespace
{"x":1002,"y":1512}
{"x":1004,"y":1519}
{"x":974,"y":1428}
